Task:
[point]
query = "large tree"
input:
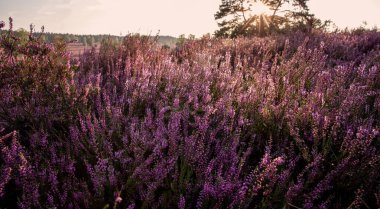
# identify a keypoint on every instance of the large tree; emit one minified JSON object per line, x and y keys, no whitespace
{"x":235,"y":17}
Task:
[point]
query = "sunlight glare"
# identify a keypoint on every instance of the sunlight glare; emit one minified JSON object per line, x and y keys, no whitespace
{"x":259,"y":8}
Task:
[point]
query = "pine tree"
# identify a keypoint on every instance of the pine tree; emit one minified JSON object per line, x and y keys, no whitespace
{"x":234,"y":18}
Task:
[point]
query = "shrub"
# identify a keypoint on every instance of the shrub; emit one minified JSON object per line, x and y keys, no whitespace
{"x":282,"y":121}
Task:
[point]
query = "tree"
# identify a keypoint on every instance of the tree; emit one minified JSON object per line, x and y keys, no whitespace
{"x":235,"y":18}
{"x":181,"y":40}
{"x":23,"y":35}
{"x":90,"y":41}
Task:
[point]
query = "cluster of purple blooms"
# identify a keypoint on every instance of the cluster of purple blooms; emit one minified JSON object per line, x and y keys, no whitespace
{"x":287,"y":121}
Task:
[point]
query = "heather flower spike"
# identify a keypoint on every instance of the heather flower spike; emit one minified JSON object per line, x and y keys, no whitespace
{"x":31,"y":28}
{"x":10,"y":23}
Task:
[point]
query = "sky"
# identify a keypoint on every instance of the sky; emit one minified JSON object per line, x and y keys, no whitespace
{"x":166,"y":17}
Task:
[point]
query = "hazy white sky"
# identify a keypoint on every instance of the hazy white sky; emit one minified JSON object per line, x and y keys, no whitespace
{"x":171,"y":17}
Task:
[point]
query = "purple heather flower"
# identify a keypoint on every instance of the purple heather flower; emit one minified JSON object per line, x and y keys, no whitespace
{"x":131,"y":206}
{"x":5,"y":177}
{"x":182,"y":202}
{"x":118,"y":200}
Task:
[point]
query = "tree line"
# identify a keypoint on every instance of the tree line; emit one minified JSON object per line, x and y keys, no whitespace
{"x":87,"y":40}
{"x":48,"y":37}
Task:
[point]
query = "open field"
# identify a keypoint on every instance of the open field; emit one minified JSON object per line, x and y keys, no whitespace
{"x":77,"y":49}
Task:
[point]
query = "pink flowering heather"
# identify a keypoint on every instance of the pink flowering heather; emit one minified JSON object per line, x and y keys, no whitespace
{"x":286,"y":121}
{"x":2,"y":24}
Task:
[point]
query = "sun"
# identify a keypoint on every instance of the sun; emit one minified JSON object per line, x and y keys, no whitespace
{"x":258,"y":8}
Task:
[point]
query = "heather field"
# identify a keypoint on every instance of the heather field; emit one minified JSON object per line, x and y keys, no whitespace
{"x":283,"y":121}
